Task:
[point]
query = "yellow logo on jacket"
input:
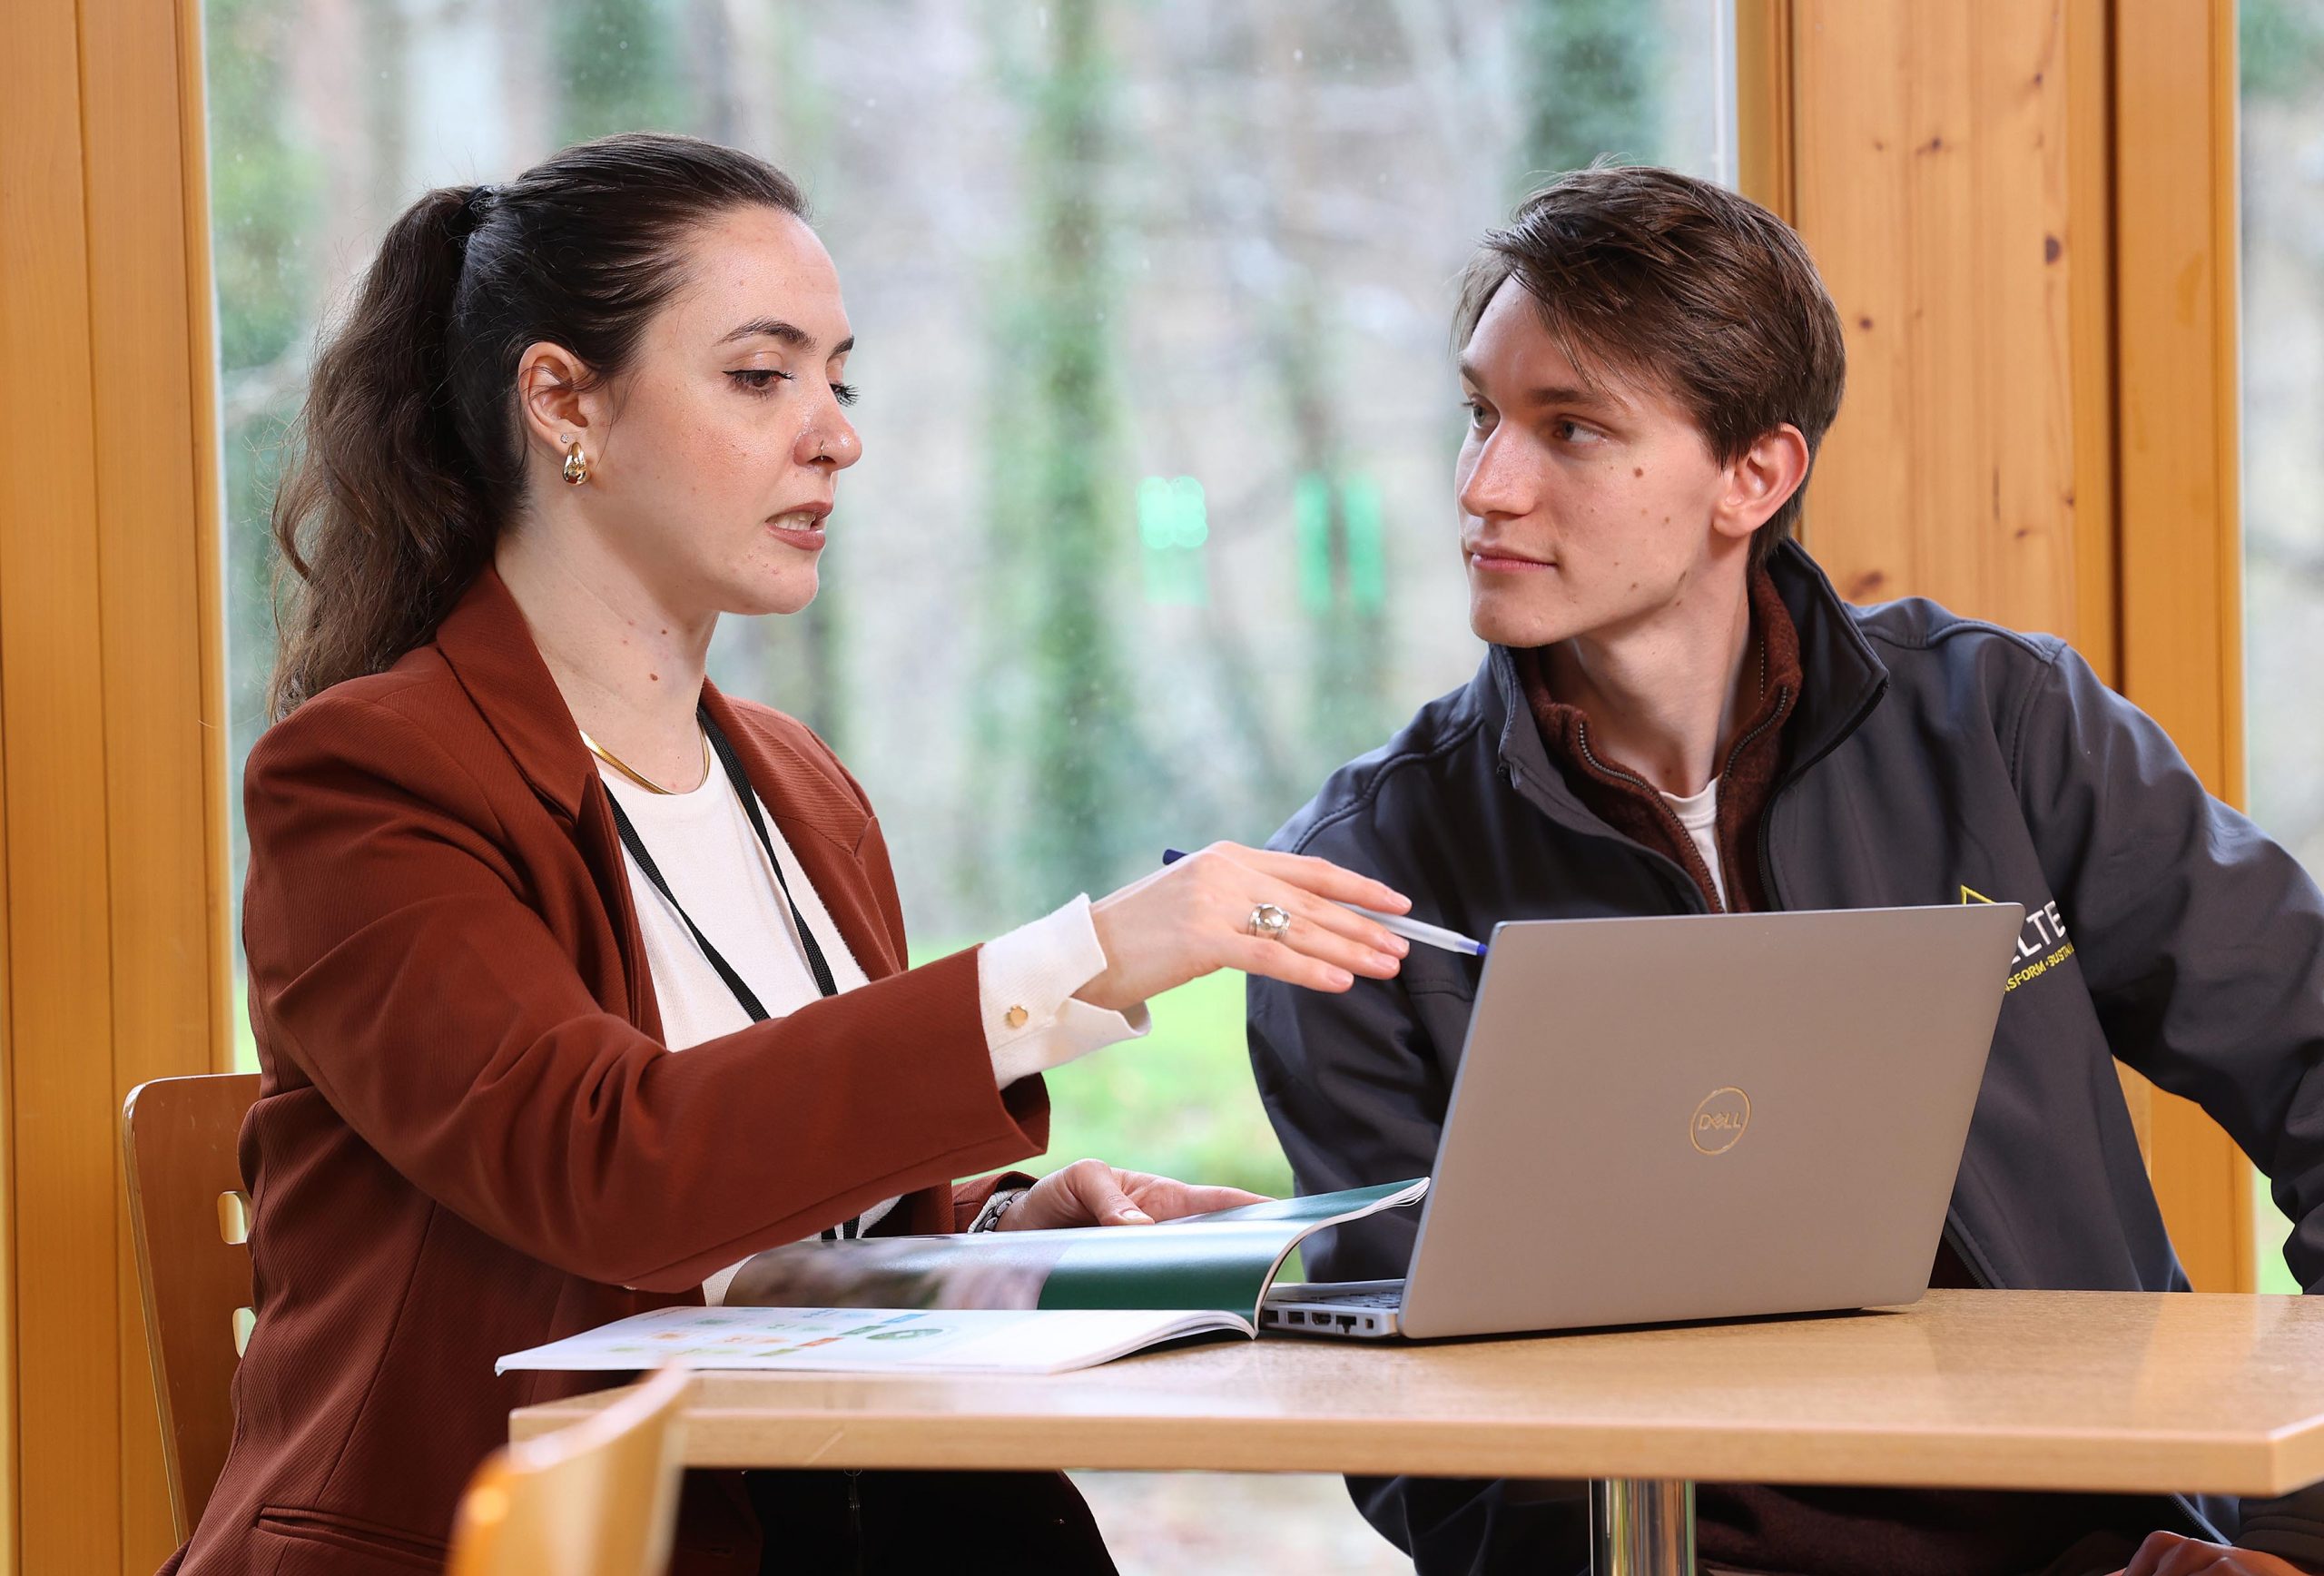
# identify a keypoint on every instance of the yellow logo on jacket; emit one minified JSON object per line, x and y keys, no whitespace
{"x":2041,"y":945}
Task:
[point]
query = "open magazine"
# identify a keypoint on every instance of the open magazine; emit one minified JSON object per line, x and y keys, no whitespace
{"x":1016,"y":1302}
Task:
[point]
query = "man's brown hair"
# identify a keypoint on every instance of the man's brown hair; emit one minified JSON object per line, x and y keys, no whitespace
{"x":1656,"y":277}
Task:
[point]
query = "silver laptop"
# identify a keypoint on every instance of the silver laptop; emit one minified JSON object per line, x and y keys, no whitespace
{"x":1699,"y":1117}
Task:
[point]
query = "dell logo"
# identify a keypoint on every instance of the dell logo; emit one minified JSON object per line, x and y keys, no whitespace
{"x":1720,"y":1120}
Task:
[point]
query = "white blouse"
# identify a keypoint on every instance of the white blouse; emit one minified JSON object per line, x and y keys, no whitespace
{"x":702,"y":844}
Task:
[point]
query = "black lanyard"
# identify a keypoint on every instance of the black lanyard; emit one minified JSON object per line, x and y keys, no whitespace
{"x":743,"y":994}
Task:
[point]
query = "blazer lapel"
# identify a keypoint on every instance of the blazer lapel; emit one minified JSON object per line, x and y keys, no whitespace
{"x":491,"y":652}
{"x":489,"y":648}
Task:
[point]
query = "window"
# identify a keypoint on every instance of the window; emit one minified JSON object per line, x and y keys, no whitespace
{"x":1152,"y":529}
{"x":2282,"y":54}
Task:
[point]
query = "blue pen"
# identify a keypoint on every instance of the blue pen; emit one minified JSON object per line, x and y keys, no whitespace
{"x":1411,"y":930}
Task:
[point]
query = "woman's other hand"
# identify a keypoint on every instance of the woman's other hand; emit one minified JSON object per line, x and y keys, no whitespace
{"x":1192,"y":918}
{"x":1092,"y":1193}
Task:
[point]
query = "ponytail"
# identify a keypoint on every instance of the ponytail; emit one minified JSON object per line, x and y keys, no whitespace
{"x":385,"y":493}
{"x":409,"y":454}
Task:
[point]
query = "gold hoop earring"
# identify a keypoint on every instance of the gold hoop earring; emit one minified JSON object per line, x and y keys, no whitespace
{"x":577,"y":464}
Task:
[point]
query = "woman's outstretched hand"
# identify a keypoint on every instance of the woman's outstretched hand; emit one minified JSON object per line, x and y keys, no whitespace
{"x":1192,"y":918}
{"x":1092,"y":1193}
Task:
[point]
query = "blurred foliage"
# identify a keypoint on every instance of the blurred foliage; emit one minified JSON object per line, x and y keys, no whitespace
{"x":2273,"y":1229}
{"x":1180,"y":1102}
{"x":1194,"y":237}
{"x":2280,"y":47}
{"x":1082,"y":752}
{"x":1065,"y":790}
{"x":618,"y":68}
{"x":2281,"y":57}
{"x":266,"y":209}
{"x":1590,"y":75}
{"x":261,"y":189}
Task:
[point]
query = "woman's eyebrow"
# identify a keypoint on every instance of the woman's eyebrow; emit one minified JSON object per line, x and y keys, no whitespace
{"x":790,"y":334}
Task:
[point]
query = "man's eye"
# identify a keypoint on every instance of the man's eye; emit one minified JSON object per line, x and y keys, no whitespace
{"x":1476,"y":413}
{"x":1566,"y":431}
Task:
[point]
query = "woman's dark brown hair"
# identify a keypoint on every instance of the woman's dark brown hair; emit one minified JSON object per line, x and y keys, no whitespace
{"x":1649,"y":274}
{"x":409,"y":451}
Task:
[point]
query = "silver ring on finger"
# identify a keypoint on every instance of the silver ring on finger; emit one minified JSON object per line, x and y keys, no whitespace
{"x":1268,"y":922}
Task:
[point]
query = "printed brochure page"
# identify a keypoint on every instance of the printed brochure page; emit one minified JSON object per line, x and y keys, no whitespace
{"x":855,"y":1340}
{"x":1027,"y":1302}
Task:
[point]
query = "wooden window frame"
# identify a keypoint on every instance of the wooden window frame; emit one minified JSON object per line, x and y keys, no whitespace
{"x":113,"y":944}
{"x":2181,"y":544}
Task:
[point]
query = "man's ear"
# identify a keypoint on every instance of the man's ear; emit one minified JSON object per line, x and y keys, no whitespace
{"x":1761,"y":480}
{"x":559,"y":400}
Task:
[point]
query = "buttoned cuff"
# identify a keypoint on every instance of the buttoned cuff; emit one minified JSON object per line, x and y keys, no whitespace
{"x":1025,"y":983}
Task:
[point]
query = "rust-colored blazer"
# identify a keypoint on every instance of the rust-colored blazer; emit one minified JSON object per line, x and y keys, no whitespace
{"x":468,"y":1140}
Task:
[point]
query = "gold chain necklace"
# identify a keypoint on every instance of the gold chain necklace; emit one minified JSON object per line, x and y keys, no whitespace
{"x":633,"y":773}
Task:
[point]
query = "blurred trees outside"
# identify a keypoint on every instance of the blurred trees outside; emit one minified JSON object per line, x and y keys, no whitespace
{"x":2282,"y":151}
{"x":1153,"y":526}
{"x":2281,"y":55}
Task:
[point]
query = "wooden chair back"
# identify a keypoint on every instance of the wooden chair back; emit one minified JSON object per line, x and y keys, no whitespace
{"x":598,"y":1499}
{"x":191,"y":1222}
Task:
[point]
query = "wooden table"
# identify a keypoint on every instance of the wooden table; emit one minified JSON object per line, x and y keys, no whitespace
{"x":2115,"y":1392}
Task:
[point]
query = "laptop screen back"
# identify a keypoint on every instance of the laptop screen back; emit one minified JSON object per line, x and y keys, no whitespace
{"x":1707,"y":1117}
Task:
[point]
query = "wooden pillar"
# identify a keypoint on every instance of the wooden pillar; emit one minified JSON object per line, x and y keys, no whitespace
{"x":2181,"y":540}
{"x":112,"y":712}
{"x":1933,"y":183}
{"x":2039,"y":426}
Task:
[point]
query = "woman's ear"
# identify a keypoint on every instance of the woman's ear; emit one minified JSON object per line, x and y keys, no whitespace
{"x":558,"y":398}
{"x":1762,"y":478}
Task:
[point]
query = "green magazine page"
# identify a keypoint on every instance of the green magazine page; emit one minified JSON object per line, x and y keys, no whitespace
{"x":1218,"y":1262}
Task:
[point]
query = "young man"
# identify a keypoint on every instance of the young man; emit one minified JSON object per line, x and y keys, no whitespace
{"x":1678,"y":715}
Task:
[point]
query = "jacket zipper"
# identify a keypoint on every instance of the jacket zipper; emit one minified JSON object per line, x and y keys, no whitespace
{"x":1685,"y":839}
{"x":1782,"y":709}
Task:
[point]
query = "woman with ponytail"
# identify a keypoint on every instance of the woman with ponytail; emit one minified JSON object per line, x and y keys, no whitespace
{"x":574,"y":982}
